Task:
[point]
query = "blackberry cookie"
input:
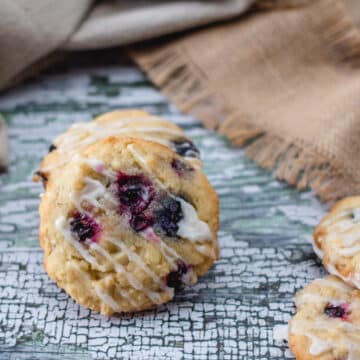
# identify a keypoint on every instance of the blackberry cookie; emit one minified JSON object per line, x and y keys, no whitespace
{"x":126,"y":221}
{"x":327,"y":323}
{"x":337,"y":241}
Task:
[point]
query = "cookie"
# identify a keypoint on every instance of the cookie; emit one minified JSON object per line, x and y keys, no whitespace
{"x":327,"y":323}
{"x":126,"y":222}
{"x":130,"y":123}
{"x":337,"y":241}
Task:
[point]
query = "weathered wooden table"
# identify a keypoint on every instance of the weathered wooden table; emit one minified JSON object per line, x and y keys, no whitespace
{"x":230,"y":314}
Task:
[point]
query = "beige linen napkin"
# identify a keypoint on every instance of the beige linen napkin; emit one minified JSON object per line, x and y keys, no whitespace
{"x":285,"y":84}
{"x":113,"y":23}
{"x":29,"y":30}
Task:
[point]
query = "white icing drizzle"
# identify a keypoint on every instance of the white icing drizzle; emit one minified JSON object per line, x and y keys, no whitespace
{"x":352,"y":280}
{"x":334,"y":219}
{"x":337,"y":285}
{"x":169,"y":254}
{"x":127,"y":297}
{"x":91,"y":192}
{"x":349,"y":232}
{"x":203,"y":249}
{"x":306,"y":298}
{"x":110,"y":301}
{"x":142,"y":161}
{"x":310,"y":326}
{"x":152,"y":130}
{"x":75,"y":140}
{"x":56,"y":165}
{"x":350,"y":251}
{"x":317,"y":250}
{"x":63,"y":227}
{"x":191,"y":227}
{"x":99,"y":167}
{"x":95,"y":193}
{"x":195,"y":162}
{"x":82,"y":135}
{"x":324,"y":325}
{"x":107,"y":299}
{"x":91,"y":197}
{"x":345,"y":230}
{"x":353,"y":236}
{"x":140,"y":263}
{"x":319,"y":346}
{"x":133,"y":281}
{"x":342,"y":226}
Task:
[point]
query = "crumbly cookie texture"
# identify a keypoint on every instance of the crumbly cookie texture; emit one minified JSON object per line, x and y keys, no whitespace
{"x":327,"y":323}
{"x":337,"y":241}
{"x":125,"y":222}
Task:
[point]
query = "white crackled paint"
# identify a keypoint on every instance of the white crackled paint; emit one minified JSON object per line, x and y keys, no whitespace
{"x":265,"y":257}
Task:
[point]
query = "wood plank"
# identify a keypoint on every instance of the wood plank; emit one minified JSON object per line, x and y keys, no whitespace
{"x":229,"y":314}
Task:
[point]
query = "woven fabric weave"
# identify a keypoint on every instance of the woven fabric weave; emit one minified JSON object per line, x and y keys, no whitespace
{"x":284,"y":83}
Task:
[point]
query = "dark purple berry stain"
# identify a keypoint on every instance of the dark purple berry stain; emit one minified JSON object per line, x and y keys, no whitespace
{"x":84,"y":227}
{"x":140,"y":222}
{"x":175,"y":278}
{"x":135,"y":192}
{"x":168,"y":216}
{"x":337,"y":311}
{"x":181,"y":167}
{"x":185,"y":147}
{"x":52,"y":148}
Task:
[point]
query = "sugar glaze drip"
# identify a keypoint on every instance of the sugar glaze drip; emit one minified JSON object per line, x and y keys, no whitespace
{"x":82,"y":135}
{"x":344,"y":226}
{"x":95,"y":193}
{"x":311,"y":328}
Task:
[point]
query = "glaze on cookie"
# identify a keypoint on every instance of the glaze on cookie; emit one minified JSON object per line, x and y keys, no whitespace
{"x":121,"y":227}
{"x":337,"y":241}
{"x":327,"y":323}
{"x":127,"y":123}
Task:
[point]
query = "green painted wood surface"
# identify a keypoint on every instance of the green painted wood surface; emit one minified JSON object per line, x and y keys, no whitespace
{"x":230,"y":314}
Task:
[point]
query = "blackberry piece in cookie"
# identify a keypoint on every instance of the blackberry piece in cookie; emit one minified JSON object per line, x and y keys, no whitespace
{"x":186,"y":147}
{"x":122,"y":230}
{"x":126,"y":123}
{"x":327,"y":321}
{"x":167,"y":218}
{"x":179,"y":277}
{"x":83,"y":227}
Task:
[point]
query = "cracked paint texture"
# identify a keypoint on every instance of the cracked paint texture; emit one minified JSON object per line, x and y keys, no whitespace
{"x":230,"y":314}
